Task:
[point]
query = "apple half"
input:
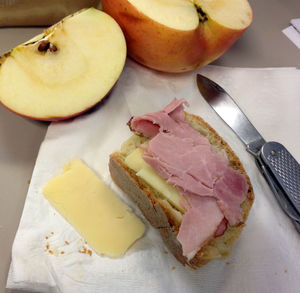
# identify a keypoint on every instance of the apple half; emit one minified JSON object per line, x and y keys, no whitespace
{"x":66,"y":70}
{"x":179,"y":35}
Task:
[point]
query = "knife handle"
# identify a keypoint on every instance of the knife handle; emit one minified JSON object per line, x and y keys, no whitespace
{"x":285,"y":169}
{"x":279,"y":195}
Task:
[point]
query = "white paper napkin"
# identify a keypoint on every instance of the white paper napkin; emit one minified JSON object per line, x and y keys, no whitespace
{"x":293,"y":31}
{"x":266,"y":257}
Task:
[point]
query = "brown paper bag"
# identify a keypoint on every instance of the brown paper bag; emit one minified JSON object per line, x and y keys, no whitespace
{"x":39,"y":12}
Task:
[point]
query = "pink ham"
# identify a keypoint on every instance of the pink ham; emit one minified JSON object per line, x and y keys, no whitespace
{"x":221,"y":228}
{"x":169,"y":120}
{"x":230,"y":191}
{"x":185,"y":184}
{"x":200,"y":222}
{"x":187,"y":160}
{"x":150,"y":124}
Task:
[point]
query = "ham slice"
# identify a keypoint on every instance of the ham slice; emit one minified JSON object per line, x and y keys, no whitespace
{"x":221,"y":228}
{"x":169,"y":120}
{"x":230,"y":191}
{"x":186,"y":159}
{"x":200,"y":222}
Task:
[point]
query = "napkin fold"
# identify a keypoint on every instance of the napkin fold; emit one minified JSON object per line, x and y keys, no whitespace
{"x":293,"y":31}
{"x":45,"y":253}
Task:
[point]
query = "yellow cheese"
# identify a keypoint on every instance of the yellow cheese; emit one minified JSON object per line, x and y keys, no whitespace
{"x":103,"y":220}
{"x":159,"y":184}
{"x":135,"y":161}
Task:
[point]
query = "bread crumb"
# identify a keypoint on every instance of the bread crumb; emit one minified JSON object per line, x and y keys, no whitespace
{"x":286,"y":271}
{"x":173,"y":268}
{"x":84,"y":250}
{"x":62,"y":252}
{"x":46,"y":237}
{"x":52,"y":233}
{"x":67,"y":243}
{"x":227,"y":262}
{"x":47,"y":246}
{"x":50,"y":251}
{"x":28,"y":181}
{"x":102,"y":254}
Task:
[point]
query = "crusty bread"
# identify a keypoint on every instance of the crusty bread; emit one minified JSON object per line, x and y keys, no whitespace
{"x":165,"y":217}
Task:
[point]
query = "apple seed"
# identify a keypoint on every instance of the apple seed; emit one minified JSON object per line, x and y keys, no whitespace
{"x":52,"y":48}
{"x":44,"y":45}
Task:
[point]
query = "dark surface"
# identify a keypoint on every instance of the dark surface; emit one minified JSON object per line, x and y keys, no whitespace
{"x":262,"y":45}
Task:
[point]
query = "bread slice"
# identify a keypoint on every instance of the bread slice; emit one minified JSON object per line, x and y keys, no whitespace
{"x":162,"y":215}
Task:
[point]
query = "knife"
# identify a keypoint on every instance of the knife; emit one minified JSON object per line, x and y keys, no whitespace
{"x":278,"y":166}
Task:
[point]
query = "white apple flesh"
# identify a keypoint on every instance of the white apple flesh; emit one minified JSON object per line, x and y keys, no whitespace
{"x":66,"y":70}
{"x":179,"y":35}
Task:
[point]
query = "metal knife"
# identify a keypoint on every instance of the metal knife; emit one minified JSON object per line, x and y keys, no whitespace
{"x":278,"y":166}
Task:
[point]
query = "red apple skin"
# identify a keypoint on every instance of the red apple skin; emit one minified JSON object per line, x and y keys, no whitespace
{"x":60,"y":118}
{"x":162,"y":48}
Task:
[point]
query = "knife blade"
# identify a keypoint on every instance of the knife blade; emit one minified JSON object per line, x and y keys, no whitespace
{"x":278,"y":166}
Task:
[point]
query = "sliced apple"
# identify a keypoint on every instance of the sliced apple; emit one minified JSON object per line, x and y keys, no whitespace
{"x":66,"y":70}
{"x":179,"y":35}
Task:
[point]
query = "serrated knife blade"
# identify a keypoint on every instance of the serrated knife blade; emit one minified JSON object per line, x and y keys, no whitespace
{"x":279,"y":167}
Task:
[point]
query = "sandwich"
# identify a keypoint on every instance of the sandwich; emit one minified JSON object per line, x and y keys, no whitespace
{"x":187,"y":182}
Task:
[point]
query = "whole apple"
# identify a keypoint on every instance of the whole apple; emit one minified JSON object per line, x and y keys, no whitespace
{"x":179,"y":35}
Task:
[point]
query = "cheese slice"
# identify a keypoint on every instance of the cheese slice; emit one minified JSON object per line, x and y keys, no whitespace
{"x":135,"y":161}
{"x":103,"y":220}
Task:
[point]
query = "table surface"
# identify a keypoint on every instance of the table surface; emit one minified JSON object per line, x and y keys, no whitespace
{"x":262,"y":45}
